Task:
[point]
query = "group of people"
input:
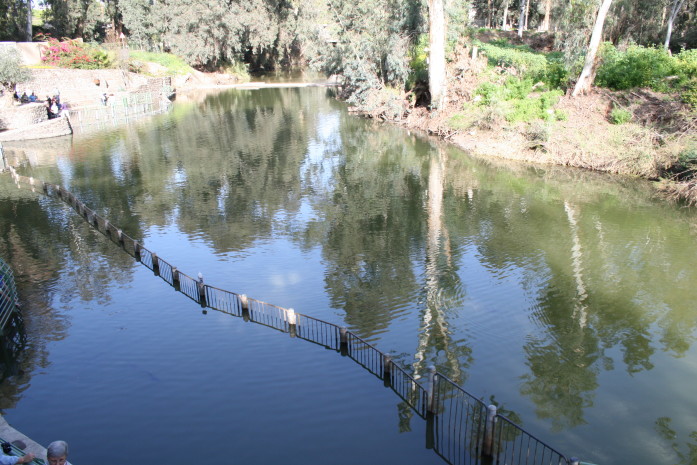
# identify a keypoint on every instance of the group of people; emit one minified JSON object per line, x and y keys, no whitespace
{"x":53,"y":104}
{"x":56,"y":454}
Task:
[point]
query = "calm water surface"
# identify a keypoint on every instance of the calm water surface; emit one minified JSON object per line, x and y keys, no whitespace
{"x":567,"y":298}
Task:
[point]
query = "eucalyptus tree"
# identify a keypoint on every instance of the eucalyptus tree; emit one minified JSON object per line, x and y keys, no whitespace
{"x":585,"y":80}
{"x":675,"y":8}
{"x":437,"y":82}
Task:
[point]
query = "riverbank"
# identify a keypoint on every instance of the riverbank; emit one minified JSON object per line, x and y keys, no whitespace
{"x":658,"y":141}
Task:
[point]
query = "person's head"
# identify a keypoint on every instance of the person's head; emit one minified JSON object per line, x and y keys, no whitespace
{"x":6,"y":447}
{"x":57,"y":453}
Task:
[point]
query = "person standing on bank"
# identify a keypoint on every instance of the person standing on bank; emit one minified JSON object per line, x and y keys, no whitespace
{"x":6,"y":459}
{"x":57,"y":453}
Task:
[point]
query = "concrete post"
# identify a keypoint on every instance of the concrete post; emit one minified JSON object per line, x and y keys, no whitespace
{"x":387,"y":370}
{"x":175,"y":278}
{"x":431,"y":405}
{"x":244,"y":301}
{"x":201,"y":290}
{"x":343,"y":340}
{"x":155,"y":264}
{"x":107,"y":227}
{"x":573,"y":461}
{"x":136,"y":250}
{"x":119,"y":236}
{"x":488,"y":443}
{"x":291,"y":318}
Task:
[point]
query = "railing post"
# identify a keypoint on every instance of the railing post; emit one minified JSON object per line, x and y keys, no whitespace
{"x":431,"y":402}
{"x":175,"y":278}
{"x":244,"y":301}
{"x":136,"y":250}
{"x":387,"y":370}
{"x":488,"y":443}
{"x":119,"y":236}
{"x":155,"y":264}
{"x":292,"y":322}
{"x":201,"y":290}
{"x":107,"y":228}
{"x":343,"y":340}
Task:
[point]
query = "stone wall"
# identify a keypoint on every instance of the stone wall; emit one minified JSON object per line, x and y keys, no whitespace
{"x":79,"y":87}
{"x":49,"y":128}
{"x":22,"y":115}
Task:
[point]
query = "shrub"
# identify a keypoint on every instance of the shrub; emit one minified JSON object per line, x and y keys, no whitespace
{"x":520,"y":59}
{"x":620,"y":115}
{"x":637,"y":67}
{"x":75,"y":54}
{"x":11,"y":69}
{"x":689,"y":93}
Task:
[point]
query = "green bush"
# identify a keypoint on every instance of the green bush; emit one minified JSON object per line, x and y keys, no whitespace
{"x":637,"y":67}
{"x":418,"y":62}
{"x":686,"y":65}
{"x":620,"y":115}
{"x":11,"y":70}
{"x":532,"y":108}
{"x":689,"y":93}
{"x":519,"y":58}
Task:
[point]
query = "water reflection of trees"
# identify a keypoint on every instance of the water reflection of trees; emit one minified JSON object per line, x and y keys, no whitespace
{"x":53,"y":253}
{"x":599,"y":280}
{"x":395,"y":219}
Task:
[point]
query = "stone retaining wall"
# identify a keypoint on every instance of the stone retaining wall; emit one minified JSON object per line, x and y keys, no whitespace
{"x":81,"y":86}
{"x":22,"y":115}
{"x":49,"y":128}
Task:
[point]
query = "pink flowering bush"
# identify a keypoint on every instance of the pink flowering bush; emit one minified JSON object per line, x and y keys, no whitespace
{"x":70,"y":53}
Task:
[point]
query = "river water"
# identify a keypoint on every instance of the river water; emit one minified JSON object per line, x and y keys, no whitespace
{"x":565,"y":297}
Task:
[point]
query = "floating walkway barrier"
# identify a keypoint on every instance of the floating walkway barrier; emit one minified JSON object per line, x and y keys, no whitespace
{"x":460,"y":428}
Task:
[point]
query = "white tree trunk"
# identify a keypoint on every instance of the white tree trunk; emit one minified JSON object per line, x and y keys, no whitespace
{"x":504,"y":26}
{"x":677,"y":4}
{"x":436,"y":53}
{"x":586,"y":78}
{"x":521,"y":20}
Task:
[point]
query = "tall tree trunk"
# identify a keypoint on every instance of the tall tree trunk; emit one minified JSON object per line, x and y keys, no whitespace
{"x":29,"y":21}
{"x":677,"y":4}
{"x":585,"y":80}
{"x":436,"y":53}
{"x":504,"y":26}
{"x":527,"y":14}
{"x":548,"y":16}
{"x":521,"y":18}
{"x":488,"y":13}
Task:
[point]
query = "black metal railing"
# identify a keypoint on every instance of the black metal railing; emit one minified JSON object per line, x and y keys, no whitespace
{"x":461,"y":428}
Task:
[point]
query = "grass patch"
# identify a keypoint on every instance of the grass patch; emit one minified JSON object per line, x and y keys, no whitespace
{"x":174,"y":64}
{"x":620,"y":115}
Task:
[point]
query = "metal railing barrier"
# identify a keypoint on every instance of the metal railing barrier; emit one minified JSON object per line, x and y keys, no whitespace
{"x":461,"y":428}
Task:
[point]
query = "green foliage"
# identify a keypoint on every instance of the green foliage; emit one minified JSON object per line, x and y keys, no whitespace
{"x":11,"y":70}
{"x":174,"y":64}
{"x":637,"y":67}
{"x":689,"y":94}
{"x":520,"y":58}
{"x":518,"y":102}
{"x":12,"y":21}
{"x":418,"y":62}
{"x":533,"y":108}
{"x":620,"y":115}
{"x":687,"y":160}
